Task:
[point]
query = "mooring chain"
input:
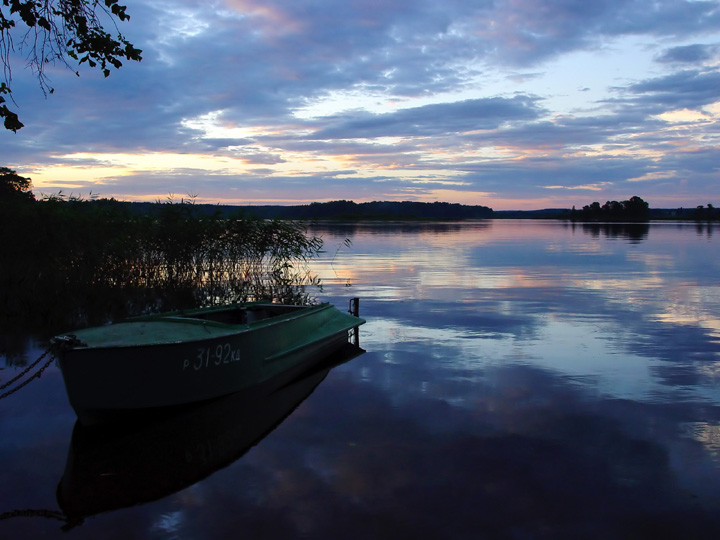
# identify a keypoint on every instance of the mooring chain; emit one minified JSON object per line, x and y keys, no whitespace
{"x":57,"y":344}
{"x":25,"y":372}
{"x":53,"y":514}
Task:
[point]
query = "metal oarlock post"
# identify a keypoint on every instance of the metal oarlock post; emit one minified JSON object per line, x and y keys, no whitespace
{"x":354,"y":307}
{"x":354,"y":310}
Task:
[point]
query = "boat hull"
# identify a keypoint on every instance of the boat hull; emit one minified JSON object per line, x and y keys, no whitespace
{"x":154,"y":457}
{"x":215,"y":360}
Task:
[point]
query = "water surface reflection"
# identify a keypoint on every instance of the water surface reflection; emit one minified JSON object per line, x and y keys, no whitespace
{"x":522,"y":380}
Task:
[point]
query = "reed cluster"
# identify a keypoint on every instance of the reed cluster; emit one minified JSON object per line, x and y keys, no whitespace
{"x":89,"y":261}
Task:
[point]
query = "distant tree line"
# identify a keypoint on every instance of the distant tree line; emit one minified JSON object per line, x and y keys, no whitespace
{"x":377,"y":210}
{"x":341,"y":211}
{"x":634,"y":209}
{"x":707,"y":213}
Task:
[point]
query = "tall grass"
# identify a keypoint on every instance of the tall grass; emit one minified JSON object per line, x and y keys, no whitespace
{"x":77,"y":262}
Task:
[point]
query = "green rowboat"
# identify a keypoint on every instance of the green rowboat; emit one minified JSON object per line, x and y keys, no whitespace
{"x":176,"y":358}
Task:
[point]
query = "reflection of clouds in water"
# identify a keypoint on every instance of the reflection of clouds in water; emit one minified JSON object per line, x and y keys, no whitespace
{"x":169,"y":525}
{"x":710,"y":371}
{"x":617,"y":289}
{"x":693,"y":305}
{"x":631,"y":318}
{"x":706,"y":434}
{"x":528,"y":453}
{"x":660,"y":261}
{"x":593,"y":354}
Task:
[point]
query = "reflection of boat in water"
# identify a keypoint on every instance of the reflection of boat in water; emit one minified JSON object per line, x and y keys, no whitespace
{"x":120,"y":465}
{"x":184,"y":357}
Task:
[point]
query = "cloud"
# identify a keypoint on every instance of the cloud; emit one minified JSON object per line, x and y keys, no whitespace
{"x":524,"y":32}
{"x":435,"y":119}
{"x":688,"y":54}
{"x":691,"y":89}
{"x":408,"y":96}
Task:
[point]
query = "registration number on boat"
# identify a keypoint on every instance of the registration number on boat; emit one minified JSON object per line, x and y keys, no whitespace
{"x":213,"y":355}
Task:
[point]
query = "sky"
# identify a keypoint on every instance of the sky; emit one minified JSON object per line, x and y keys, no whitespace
{"x":511,"y":104}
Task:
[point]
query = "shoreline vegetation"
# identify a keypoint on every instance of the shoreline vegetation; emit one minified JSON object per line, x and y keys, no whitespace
{"x":633,"y":210}
{"x":70,"y":263}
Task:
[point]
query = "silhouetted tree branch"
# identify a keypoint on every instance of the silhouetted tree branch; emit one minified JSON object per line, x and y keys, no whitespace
{"x":47,"y":31}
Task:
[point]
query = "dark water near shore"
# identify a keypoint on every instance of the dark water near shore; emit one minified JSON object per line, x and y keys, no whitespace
{"x":522,"y":380}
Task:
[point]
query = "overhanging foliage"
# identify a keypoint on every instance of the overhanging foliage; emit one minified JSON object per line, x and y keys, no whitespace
{"x":46,"y":31}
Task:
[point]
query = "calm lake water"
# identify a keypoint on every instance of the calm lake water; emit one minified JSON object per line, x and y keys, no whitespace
{"x":522,"y":379}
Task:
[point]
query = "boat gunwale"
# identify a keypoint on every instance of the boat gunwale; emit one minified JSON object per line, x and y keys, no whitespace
{"x":178,"y":317}
{"x":232,"y":329}
{"x":190,"y":313}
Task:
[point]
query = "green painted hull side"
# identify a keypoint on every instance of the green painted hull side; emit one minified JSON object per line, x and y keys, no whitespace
{"x":103,"y":379}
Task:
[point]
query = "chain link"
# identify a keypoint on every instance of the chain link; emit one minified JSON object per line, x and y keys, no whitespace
{"x":35,"y":363}
{"x":24,"y":372}
{"x":53,"y":514}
